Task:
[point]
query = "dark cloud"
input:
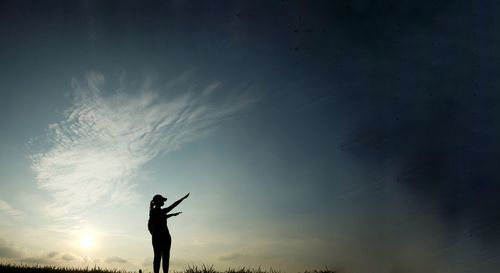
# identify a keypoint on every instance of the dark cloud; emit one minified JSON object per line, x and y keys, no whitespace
{"x":9,"y":251}
{"x":431,"y":123}
{"x":115,"y":259}
{"x":425,"y":107}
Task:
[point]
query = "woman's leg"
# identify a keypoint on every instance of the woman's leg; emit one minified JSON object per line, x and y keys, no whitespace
{"x":157,"y":257}
{"x":166,"y":255}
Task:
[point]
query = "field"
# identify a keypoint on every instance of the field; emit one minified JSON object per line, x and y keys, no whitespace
{"x":7,"y":268}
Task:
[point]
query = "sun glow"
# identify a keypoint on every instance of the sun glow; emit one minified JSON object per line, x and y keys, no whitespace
{"x":87,"y":241}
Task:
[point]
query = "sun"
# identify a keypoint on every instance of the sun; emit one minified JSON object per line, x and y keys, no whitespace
{"x":87,"y":241}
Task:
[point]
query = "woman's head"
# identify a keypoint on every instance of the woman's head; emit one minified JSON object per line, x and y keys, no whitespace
{"x":158,"y":201}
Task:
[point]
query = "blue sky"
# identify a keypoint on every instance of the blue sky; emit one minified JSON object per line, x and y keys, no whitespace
{"x":355,"y":135}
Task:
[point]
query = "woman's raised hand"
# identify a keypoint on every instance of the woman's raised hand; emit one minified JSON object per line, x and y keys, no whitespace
{"x":186,"y":196}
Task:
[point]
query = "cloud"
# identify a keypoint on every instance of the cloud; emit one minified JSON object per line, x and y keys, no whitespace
{"x":106,"y":137}
{"x":230,"y":256}
{"x":115,"y":260}
{"x":9,"y":251}
{"x":52,"y":254}
{"x":68,"y":257}
{"x":37,"y":260}
{"x":50,"y":258}
{"x":7,"y":209}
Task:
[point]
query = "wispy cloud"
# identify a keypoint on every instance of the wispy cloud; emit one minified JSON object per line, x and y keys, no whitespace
{"x":105,"y":137}
{"x":7,"y":209}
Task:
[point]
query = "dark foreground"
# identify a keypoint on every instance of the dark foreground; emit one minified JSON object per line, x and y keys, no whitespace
{"x":7,"y":268}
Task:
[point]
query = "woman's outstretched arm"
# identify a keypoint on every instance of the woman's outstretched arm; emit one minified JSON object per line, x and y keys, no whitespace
{"x":171,"y":207}
{"x":173,"y":214}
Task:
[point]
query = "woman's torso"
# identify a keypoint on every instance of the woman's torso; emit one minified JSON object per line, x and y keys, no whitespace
{"x":158,"y":223}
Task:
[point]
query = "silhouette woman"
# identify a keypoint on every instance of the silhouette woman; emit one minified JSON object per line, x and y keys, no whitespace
{"x":157,"y":226}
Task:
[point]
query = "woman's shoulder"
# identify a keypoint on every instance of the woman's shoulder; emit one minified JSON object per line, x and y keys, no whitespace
{"x":153,"y":211}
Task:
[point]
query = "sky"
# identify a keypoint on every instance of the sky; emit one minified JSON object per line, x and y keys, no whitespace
{"x":358,"y":135}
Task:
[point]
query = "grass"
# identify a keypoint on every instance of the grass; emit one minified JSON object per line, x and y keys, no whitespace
{"x":14,"y":268}
{"x":210,"y":269}
{"x":11,"y":268}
